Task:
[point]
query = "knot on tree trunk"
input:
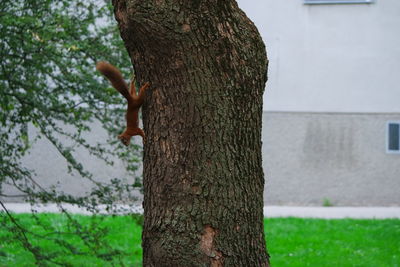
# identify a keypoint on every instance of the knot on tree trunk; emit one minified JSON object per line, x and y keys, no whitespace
{"x":207,"y":246}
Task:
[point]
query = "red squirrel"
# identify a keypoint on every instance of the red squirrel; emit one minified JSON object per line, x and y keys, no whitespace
{"x":134,"y":100}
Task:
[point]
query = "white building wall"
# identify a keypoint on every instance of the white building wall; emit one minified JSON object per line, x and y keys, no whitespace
{"x":336,"y":58}
{"x":325,"y":58}
{"x":334,"y":82}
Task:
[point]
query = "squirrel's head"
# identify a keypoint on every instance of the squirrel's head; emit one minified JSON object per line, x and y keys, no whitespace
{"x":126,"y":140}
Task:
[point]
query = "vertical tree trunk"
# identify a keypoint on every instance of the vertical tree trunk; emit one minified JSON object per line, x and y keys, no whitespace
{"x":203,"y":177}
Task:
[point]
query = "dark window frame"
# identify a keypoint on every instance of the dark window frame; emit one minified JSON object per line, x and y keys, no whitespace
{"x":390,"y":131}
{"x":330,"y":2}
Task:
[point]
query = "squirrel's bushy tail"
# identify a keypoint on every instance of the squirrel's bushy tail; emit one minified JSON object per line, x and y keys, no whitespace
{"x":115,"y":77}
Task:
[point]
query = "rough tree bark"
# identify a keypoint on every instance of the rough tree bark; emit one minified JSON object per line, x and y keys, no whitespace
{"x":203,"y":178}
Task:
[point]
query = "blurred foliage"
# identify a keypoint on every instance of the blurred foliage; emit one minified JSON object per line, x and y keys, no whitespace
{"x":48,"y":82}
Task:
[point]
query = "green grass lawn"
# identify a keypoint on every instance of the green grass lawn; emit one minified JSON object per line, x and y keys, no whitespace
{"x":291,"y":242}
{"x":337,"y":243}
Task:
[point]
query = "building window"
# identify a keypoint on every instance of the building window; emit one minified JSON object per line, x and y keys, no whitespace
{"x":393,"y":137}
{"x":319,"y":2}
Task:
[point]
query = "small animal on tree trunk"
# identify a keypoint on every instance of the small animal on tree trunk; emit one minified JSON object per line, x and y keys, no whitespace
{"x":134,"y":100}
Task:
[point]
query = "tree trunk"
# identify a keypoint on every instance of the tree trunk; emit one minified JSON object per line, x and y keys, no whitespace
{"x":203,"y":177}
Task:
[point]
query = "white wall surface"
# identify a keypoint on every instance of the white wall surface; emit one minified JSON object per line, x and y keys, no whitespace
{"x":339,"y":58}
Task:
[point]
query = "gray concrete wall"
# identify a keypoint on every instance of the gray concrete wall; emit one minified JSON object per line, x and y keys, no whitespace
{"x":51,"y":169}
{"x":309,"y":157}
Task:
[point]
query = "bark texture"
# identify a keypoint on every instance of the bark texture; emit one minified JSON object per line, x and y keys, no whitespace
{"x":203,"y":177}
